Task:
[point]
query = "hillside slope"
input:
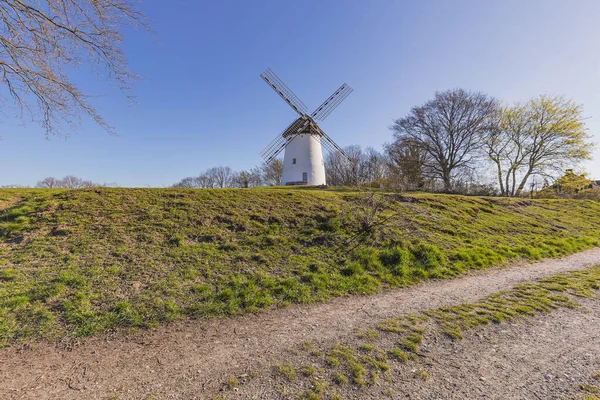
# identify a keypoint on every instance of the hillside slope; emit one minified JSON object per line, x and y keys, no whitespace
{"x":76,"y":262}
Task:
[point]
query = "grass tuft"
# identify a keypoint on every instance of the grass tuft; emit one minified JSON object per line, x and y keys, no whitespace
{"x":286,"y":370}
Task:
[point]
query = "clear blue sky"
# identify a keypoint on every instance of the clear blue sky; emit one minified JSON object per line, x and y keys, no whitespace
{"x":203,"y":104}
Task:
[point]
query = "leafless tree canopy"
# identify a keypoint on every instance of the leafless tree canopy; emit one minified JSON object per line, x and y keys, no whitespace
{"x":225,"y":177}
{"x":449,"y":129}
{"x":406,"y":163}
{"x":69,"y":181}
{"x":41,"y":40}
{"x":272,"y":172}
{"x":13,"y":186}
{"x":361,"y":167}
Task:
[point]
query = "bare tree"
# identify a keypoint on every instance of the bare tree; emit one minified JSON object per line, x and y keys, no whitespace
{"x":272,"y":172}
{"x":222,"y":176}
{"x":344,"y":170}
{"x":247,"y":179}
{"x":42,"y":40}
{"x":188,"y":182}
{"x":69,"y":181}
{"x":374,"y":167}
{"x":538,"y":138}
{"x":449,"y":130}
{"x":204,"y":180}
{"x":358,"y":168}
{"x":49,"y":183}
{"x":406,"y":163}
{"x":74,"y":182}
{"x":336,"y":166}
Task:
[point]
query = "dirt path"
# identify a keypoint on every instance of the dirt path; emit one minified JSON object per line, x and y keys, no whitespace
{"x":191,"y":359}
{"x":546,"y":357}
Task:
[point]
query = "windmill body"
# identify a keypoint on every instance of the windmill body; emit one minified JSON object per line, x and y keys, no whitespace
{"x":303,"y":140}
{"x":303,"y":162}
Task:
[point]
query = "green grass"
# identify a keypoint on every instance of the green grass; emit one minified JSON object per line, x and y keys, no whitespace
{"x":77,"y":262}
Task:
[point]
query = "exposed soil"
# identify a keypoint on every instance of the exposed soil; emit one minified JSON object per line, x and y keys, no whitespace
{"x":546,"y":357}
{"x":191,"y":359}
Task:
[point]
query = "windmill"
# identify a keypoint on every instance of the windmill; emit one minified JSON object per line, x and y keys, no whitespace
{"x":303,"y":140}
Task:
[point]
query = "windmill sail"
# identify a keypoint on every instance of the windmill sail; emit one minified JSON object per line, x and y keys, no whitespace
{"x":278,"y":144}
{"x":331,"y":103}
{"x":284,"y":92}
{"x":332,"y":146}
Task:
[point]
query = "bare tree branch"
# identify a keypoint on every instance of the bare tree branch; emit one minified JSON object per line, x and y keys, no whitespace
{"x":41,"y":41}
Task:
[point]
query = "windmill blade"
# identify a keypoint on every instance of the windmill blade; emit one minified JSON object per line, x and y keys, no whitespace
{"x":282,"y":90}
{"x":271,"y":151}
{"x":331,"y":103}
{"x":280,"y":139}
{"x":331,"y":146}
{"x":278,"y":144}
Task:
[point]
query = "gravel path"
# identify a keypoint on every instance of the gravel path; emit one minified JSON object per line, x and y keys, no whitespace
{"x":191,"y":359}
{"x":545,"y":357}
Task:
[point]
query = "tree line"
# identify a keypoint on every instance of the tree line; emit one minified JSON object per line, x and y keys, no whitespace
{"x":459,"y":135}
{"x":458,"y":142}
{"x":267,"y":174}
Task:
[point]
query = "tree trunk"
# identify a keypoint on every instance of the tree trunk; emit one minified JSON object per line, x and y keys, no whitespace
{"x":447,"y":182}
{"x":523,"y":182}
{"x":499,"y":167}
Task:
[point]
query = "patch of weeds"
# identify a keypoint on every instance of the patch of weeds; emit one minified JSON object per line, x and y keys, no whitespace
{"x":366,"y":347}
{"x":338,"y":378}
{"x":452,"y":330}
{"x":589,"y":388}
{"x":254,"y":374}
{"x":350,"y":362}
{"x":369,"y":334}
{"x":415,"y":338}
{"x":306,"y":346}
{"x":308,"y":370}
{"x":391,"y":325}
{"x":422,"y":374}
{"x":7,"y":274}
{"x":309,"y":395}
{"x":374,"y":363}
{"x":231,"y":383}
{"x":286,"y":370}
{"x":332,"y":361}
{"x":319,"y":387}
{"x":409,"y":345}
{"x":398,"y":355}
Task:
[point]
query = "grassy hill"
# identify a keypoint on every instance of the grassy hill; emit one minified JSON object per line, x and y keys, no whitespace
{"x":78,"y":262}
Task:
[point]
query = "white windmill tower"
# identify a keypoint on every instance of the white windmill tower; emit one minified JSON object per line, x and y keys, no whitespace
{"x":303,"y":139}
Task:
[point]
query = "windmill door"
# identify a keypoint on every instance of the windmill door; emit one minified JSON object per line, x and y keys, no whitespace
{"x":304,"y":177}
